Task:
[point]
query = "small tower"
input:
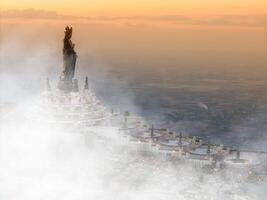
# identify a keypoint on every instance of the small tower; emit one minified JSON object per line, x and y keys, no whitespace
{"x":126,"y":115}
{"x":86,"y":85}
{"x":180,"y":140}
{"x":208,"y":148}
{"x":152,"y":131}
{"x":48,"y":87}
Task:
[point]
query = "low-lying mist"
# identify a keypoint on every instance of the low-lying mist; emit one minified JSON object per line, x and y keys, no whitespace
{"x":43,"y":162}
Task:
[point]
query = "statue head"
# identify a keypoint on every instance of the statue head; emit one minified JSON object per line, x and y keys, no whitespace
{"x":68,"y":32}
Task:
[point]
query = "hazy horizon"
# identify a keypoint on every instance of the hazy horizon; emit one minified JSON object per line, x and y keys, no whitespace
{"x":152,"y":71}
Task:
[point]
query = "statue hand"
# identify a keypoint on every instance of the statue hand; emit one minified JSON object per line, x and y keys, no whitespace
{"x":68,"y":32}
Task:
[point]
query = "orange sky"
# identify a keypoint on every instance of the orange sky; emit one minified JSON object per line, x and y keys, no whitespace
{"x":211,"y":34}
{"x":142,"y":7}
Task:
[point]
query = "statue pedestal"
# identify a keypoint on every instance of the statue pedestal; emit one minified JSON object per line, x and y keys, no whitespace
{"x":65,"y":85}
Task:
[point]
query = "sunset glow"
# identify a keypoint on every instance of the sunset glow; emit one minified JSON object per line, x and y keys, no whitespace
{"x":142,"y":7}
